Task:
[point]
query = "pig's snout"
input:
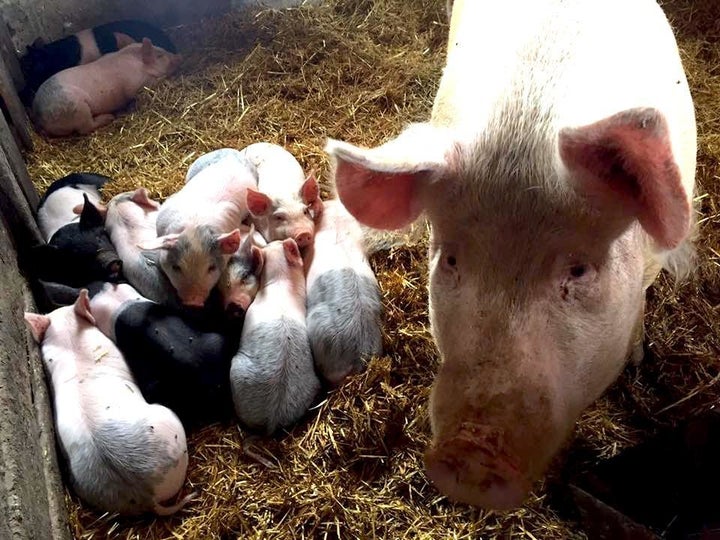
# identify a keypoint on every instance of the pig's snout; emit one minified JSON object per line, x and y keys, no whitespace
{"x":195,"y":301}
{"x":474,"y":467}
{"x":238,"y":305}
{"x":111,"y":264}
{"x":303,"y":239}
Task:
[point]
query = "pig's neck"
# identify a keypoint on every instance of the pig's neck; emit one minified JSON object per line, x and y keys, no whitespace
{"x":288,"y":294}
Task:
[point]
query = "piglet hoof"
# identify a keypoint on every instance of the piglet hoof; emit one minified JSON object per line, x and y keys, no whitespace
{"x":637,"y":354}
{"x":249,"y":449}
{"x":162,"y":510}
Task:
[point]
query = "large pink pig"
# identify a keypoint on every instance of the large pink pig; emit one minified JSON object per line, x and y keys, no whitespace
{"x":124,"y":455}
{"x":557,"y":172}
{"x":84,"y":98}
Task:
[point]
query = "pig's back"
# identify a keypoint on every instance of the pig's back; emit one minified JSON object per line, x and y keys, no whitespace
{"x":562,"y":63}
{"x":276,"y":168}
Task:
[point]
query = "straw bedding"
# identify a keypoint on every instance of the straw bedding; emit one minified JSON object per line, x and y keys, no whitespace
{"x":359,"y":70}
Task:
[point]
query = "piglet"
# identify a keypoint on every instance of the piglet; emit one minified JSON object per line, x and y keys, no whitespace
{"x":83,"y":98}
{"x":272,"y":377}
{"x":198,"y":229}
{"x":130,"y":221}
{"x":56,"y":207}
{"x":239,"y":282}
{"x":343,"y":297}
{"x":178,"y":359}
{"x":124,"y":455}
{"x":43,"y":60}
{"x":77,"y":253}
{"x":286,"y":203}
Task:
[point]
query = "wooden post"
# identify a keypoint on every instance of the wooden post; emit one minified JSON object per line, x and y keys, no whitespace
{"x":17,"y":165}
{"x":10,"y":56}
{"x":8,"y":92}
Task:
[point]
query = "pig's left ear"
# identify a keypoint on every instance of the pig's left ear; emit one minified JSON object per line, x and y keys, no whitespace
{"x":229,"y":242}
{"x":310,"y":192}
{"x":625,"y":164}
{"x":37,"y":324}
{"x":147,"y":51}
{"x":292,"y":252}
{"x":141,"y":198}
{"x":82,"y":306}
{"x":382,"y":186}
{"x":161,"y":242}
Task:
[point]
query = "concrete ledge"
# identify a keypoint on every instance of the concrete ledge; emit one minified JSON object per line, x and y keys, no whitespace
{"x":31,"y":495}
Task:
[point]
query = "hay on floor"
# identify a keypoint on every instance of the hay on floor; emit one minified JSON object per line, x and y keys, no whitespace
{"x":360,"y":70}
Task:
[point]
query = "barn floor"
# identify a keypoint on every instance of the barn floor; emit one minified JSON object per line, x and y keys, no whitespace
{"x":359,"y":70}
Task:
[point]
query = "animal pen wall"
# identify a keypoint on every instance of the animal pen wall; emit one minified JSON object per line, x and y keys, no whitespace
{"x":356,"y":70}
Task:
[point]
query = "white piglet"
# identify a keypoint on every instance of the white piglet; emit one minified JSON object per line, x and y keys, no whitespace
{"x":343,"y":296}
{"x":557,"y":172}
{"x":272,"y":376}
{"x":198,"y":228}
{"x":124,"y":455}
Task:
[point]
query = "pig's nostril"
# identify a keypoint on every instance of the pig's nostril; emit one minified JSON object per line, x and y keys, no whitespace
{"x":303,"y":239}
{"x":234,"y":310}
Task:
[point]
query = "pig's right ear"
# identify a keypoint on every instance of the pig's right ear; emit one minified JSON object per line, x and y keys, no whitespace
{"x":141,"y":198}
{"x":258,"y":203}
{"x":161,"y":242}
{"x":82,"y":306}
{"x":292,"y":252}
{"x":382,"y":187}
{"x":37,"y":324}
{"x":146,"y":52}
{"x":90,"y":215}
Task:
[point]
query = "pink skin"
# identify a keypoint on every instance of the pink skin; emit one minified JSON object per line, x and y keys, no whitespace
{"x":85,"y":368}
{"x":239,"y":283}
{"x":83,"y":98}
{"x":508,"y":393}
{"x":289,"y":217}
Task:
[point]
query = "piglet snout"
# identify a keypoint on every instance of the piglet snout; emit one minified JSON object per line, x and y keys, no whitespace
{"x":234,"y":311}
{"x":474,"y":467}
{"x":111,"y":264}
{"x":303,"y":239}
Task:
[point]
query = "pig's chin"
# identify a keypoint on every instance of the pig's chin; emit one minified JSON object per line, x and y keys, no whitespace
{"x":473,"y":467}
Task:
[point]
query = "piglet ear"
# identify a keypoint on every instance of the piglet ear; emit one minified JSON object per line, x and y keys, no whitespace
{"x":382,"y":186}
{"x":141,"y":198}
{"x":37,"y":324}
{"x":146,"y":52}
{"x":256,"y":260}
{"x":292,"y":252}
{"x":625,"y":162}
{"x":258,"y":203}
{"x":91,"y":216}
{"x":229,"y":242}
{"x":122,"y":40}
{"x":161,"y":242}
{"x":309,"y":191}
{"x":82,"y":306}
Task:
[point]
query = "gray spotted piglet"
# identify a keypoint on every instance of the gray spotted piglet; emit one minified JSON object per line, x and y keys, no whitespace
{"x":84,"y":98}
{"x":272,"y":376}
{"x":343,"y":297}
{"x":124,"y":455}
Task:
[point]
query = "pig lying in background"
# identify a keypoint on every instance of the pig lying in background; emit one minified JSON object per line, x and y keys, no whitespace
{"x":178,"y":360}
{"x":123,"y":455}
{"x":272,"y":376}
{"x":56,"y":207}
{"x":557,"y":167}
{"x":83,"y":98}
{"x":343,"y":297}
{"x":77,"y":253}
{"x":198,"y":229}
{"x":44,"y":60}
{"x":130,"y":221}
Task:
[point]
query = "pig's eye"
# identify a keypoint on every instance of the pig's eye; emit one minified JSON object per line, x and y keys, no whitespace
{"x":176,"y":268}
{"x":212,"y":268}
{"x":280,"y":218}
{"x":307,"y":212}
{"x":578,"y":270}
{"x":451,"y":261}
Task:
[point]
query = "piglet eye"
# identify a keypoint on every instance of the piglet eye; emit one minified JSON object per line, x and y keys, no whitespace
{"x":176,"y":268}
{"x":212,"y":268}
{"x":451,"y":261}
{"x":578,"y":270}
